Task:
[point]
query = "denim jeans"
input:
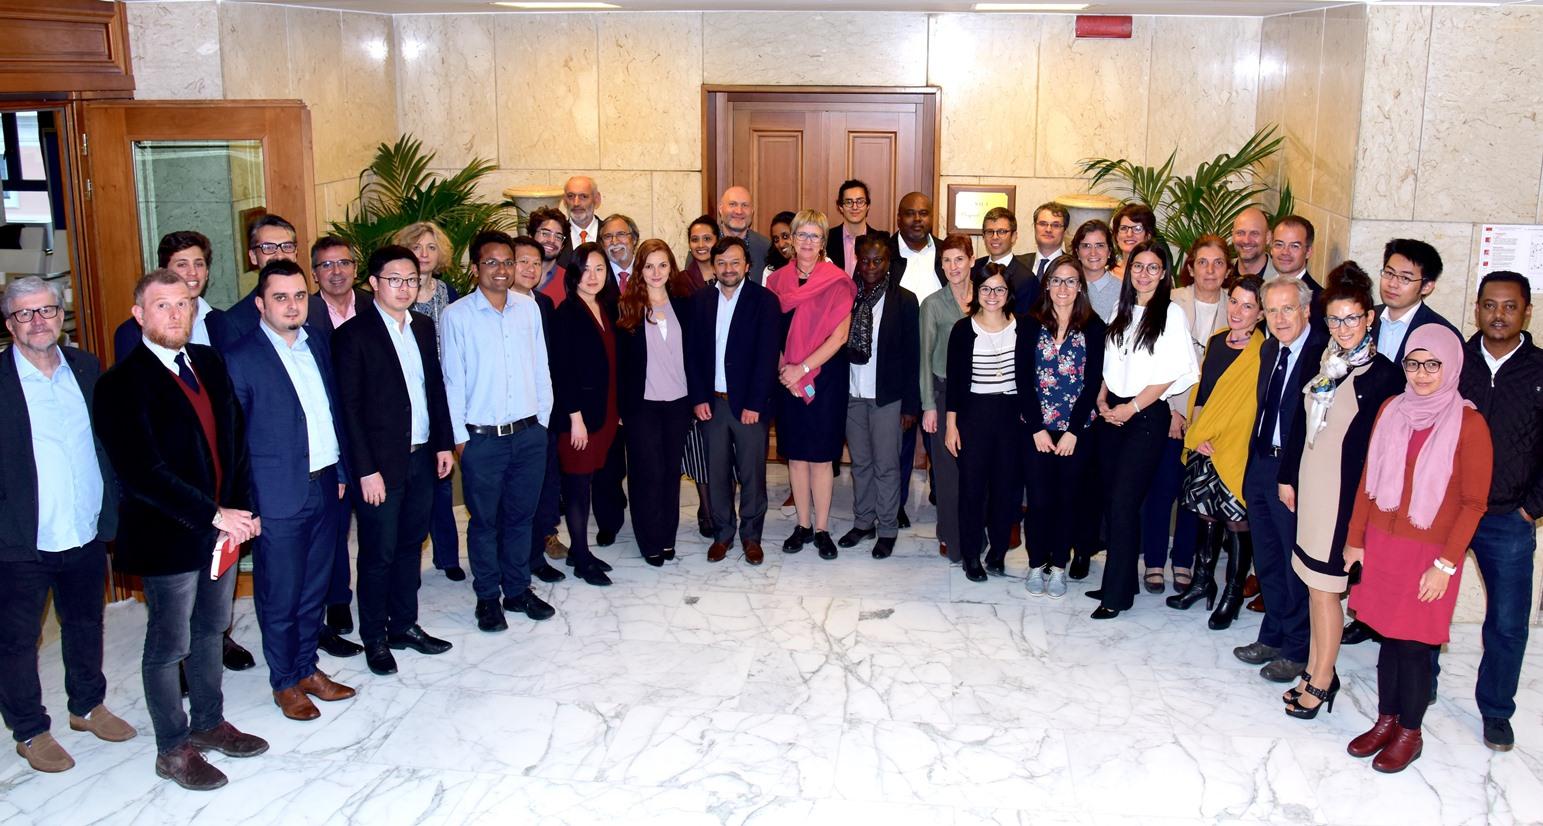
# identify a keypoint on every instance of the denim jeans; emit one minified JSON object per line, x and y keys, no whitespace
{"x":76,"y":577}
{"x":1503,"y":546}
{"x":188,"y":615}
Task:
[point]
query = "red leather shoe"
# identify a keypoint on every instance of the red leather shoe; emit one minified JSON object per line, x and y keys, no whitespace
{"x":1403,"y":749}
{"x":1372,"y":741}
{"x":1250,"y":586}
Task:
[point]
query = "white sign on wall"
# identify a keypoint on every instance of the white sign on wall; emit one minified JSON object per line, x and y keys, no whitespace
{"x":1514,"y":247}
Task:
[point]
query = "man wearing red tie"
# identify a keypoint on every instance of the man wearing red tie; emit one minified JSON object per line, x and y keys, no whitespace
{"x":619,"y":237}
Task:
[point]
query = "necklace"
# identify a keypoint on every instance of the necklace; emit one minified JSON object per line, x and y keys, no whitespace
{"x":993,"y":341}
{"x":1237,"y":341}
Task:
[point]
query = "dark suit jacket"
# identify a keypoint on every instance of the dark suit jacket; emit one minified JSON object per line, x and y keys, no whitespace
{"x":1291,"y":398}
{"x":580,"y":370}
{"x":320,"y":321}
{"x":371,"y":393}
{"x":760,"y":247}
{"x":1422,"y":316}
{"x":899,"y":352}
{"x":129,"y":334}
{"x":897,"y":261}
{"x":750,"y":357}
{"x":1025,"y":357}
{"x":242,"y":317}
{"x":18,"y":467}
{"x":164,"y":464}
{"x":1020,"y":274}
{"x":835,"y":248}
{"x":632,"y":358}
{"x":276,"y":425}
{"x":548,"y":308}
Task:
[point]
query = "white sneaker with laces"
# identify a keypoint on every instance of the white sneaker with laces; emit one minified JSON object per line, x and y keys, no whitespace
{"x":1057,"y":586}
{"x":1036,"y":582}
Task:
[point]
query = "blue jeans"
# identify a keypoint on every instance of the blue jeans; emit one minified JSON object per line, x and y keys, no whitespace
{"x":76,"y":577}
{"x":188,"y":615}
{"x":501,"y":478}
{"x":1503,"y":546}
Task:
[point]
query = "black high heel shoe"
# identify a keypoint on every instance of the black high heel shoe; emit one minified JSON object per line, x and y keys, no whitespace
{"x":1325,"y":701}
{"x":795,"y":543}
{"x":1292,"y":694}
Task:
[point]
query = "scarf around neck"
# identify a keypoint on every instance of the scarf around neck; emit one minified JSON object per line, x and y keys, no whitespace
{"x":860,"y":340}
{"x":1335,"y":365}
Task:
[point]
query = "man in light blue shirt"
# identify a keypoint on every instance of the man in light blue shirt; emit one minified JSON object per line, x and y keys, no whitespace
{"x":499,"y":389}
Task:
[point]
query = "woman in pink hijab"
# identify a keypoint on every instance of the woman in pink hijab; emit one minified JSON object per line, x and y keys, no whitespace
{"x":1425,"y":487}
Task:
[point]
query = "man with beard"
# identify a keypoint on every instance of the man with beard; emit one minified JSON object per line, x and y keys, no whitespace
{"x":186,"y":253}
{"x":550,"y":230}
{"x":1252,"y":240}
{"x":735,"y":212}
{"x":619,"y":237}
{"x":582,"y":197}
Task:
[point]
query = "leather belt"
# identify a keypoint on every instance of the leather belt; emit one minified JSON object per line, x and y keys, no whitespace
{"x":501,"y":429}
{"x":316,"y":474}
{"x":723,"y":396}
{"x":415,"y":448}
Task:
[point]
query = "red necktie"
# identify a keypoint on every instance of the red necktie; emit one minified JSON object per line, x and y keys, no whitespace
{"x":583,"y":236}
{"x":622,"y":277}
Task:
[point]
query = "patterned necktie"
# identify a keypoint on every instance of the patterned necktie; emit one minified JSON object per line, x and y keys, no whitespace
{"x":622,"y":277}
{"x":185,"y":372}
{"x":1272,"y":400}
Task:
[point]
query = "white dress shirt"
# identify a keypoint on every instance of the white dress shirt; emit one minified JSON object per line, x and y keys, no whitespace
{"x":1295,"y":349}
{"x":495,"y":362}
{"x":1390,"y":333}
{"x":921,"y":276}
{"x":864,"y":378}
{"x":721,"y":336}
{"x":575,"y":232}
{"x":411,"y":361}
{"x":300,"y":363}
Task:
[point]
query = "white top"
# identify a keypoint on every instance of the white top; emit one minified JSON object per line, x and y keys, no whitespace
{"x":864,"y":378}
{"x":991,"y":363}
{"x":1129,"y":369}
{"x":921,"y":276}
{"x":593,"y":230}
{"x":1494,"y":363}
{"x":300,"y":364}
{"x":726,"y":307}
{"x":1205,"y":322}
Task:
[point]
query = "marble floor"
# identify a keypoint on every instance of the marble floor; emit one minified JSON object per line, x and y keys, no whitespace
{"x":802,"y":691}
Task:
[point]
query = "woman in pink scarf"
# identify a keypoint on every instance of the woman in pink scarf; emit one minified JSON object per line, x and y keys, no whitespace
{"x":1425,"y":487}
{"x":816,"y":298}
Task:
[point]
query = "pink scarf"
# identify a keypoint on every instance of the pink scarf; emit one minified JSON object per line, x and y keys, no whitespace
{"x":1441,"y":411}
{"x":819,"y":306}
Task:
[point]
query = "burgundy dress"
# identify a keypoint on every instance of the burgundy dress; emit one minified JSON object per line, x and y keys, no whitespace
{"x":592,"y":457}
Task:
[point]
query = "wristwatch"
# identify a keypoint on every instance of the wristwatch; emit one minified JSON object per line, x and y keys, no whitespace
{"x":219,"y":520}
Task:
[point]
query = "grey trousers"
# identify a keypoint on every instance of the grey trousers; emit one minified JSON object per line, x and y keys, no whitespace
{"x":945,"y":477}
{"x":736,"y":451}
{"x":873,"y":438}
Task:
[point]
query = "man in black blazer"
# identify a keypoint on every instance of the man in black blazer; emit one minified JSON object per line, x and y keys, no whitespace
{"x":282,"y":377}
{"x":336,"y":299}
{"x":1291,"y":251}
{"x":852,"y":203}
{"x":396,"y":427}
{"x":268,"y":237}
{"x":1000,"y":230}
{"x":1288,"y":361}
{"x":581,"y":195}
{"x":732,"y":349}
{"x":884,"y":396}
{"x":186,"y":253}
{"x":916,"y":265}
{"x":170,"y":423}
{"x":1410,"y":269}
{"x":58,"y":509}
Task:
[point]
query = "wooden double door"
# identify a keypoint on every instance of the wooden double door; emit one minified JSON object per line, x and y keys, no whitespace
{"x":794,"y":147}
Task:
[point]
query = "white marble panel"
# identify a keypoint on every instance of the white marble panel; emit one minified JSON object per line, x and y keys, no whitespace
{"x":254,"y":51}
{"x":1299,"y":113}
{"x":549,"y":85}
{"x":814,"y":48}
{"x":1392,"y":110}
{"x":1455,"y":241}
{"x":446,"y":90}
{"x":650,"y":91}
{"x":1271,"y":110}
{"x":1205,"y":85}
{"x":677,"y":199}
{"x":958,"y":765}
{"x":367,"y":115}
{"x":1339,"y":107}
{"x":175,"y":48}
{"x":986,"y":67}
{"x":1093,"y":96}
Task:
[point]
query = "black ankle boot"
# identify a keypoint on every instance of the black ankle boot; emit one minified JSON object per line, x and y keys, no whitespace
{"x":1203,"y":586}
{"x":1240,"y":557}
{"x":972,"y":568}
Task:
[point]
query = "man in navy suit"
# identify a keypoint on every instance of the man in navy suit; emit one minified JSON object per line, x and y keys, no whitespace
{"x":1288,"y":360}
{"x":1000,"y":230}
{"x":187,"y":254}
{"x":282,"y":377}
{"x":268,"y":238}
{"x":731,"y":358}
{"x":1410,"y":269}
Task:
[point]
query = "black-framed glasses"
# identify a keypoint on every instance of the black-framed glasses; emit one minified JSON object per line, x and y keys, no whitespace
{"x":397,"y":282}
{"x":269,"y":248}
{"x":992,"y":290}
{"x":1061,"y":281}
{"x":24,"y":316}
{"x":1350,"y":321}
{"x":1431,"y":366}
{"x":852,"y":203}
{"x":997,"y":233}
{"x":1389,"y":274}
{"x":336,"y":264}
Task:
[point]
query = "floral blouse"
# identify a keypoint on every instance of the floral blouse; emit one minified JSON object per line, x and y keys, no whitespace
{"x":1059,"y":372}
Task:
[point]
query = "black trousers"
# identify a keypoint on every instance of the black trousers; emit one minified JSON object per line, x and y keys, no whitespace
{"x":77,"y":578}
{"x":656,"y":436}
{"x":1128,"y":457}
{"x":577,"y":490}
{"x":391,"y":538}
{"x":609,"y":500}
{"x":1404,"y":677}
{"x":990,"y":479}
{"x":1054,"y":486}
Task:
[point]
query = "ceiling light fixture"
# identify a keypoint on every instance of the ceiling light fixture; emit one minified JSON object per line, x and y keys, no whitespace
{"x":1030,"y":6}
{"x":556,"y":5}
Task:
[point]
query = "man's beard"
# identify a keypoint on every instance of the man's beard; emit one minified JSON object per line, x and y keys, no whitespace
{"x":168,"y":341}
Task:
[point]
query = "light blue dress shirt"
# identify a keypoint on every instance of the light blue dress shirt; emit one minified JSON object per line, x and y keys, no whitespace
{"x":495,"y":363}
{"x":721,"y":336}
{"x":305,"y":375}
{"x":64,"y":455}
{"x":1390,"y":333}
{"x":1295,"y":349}
{"x":411,"y":360}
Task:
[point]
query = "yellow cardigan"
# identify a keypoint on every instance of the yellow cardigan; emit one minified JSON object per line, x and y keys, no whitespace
{"x":1227,"y":418}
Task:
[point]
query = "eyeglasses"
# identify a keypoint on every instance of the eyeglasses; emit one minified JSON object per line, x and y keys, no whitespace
{"x":849,"y":203}
{"x":1063,"y":282}
{"x":336,"y":263}
{"x":1389,"y":274}
{"x":1349,"y":321}
{"x":1093,"y":246}
{"x":1049,"y":225}
{"x":997,"y":233}
{"x":1294,"y":246}
{"x":1154,"y":268}
{"x":992,"y":291}
{"x":496,"y":263}
{"x":46,"y":311}
{"x":613,"y":237}
{"x":1131,"y":229}
{"x":396,"y":282}
{"x":1431,"y":366}
{"x":550,"y":233}
{"x":269,"y":248}
{"x":807,"y":236}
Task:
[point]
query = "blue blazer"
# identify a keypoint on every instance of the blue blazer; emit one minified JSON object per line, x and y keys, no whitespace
{"x":754,"y":346}
{"x":129,"y":335}
{"x":276,"y":427}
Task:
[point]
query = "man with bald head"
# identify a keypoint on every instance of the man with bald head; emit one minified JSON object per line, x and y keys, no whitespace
{"x":735,"y":212}
{"x":582,"y":198}
{"x":1251,"y":238}
{"x":914,"y":249}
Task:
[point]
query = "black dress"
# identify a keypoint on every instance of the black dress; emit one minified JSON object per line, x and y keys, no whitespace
{"x":814,"y":432}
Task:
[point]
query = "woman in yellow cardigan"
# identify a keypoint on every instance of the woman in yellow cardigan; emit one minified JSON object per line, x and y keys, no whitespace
{"x":1221,"y":415}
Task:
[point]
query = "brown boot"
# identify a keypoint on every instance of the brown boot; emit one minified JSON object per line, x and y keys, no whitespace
{"x":322,"y":687}
{"x":228,"y":740}
{"x":1372,"y":741}
{"x":104,"y":724}
{"x":44,"y":754}
{"x":295,"y":705}
{"x":555,"y":549}
{"x":1403,"y":749}
{"x":187,"y":768}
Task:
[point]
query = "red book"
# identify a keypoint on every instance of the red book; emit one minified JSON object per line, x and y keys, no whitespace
{"x":226,"y":553}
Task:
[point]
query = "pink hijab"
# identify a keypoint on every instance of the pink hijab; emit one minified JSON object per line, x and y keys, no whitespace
{"x":819,"y":305}
{"x":1441,"y":412}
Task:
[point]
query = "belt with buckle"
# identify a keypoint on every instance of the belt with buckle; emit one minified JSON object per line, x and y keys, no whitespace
{"x":316,"y":474}
{"x":501,"y":429}
{"x":415,"y":448}
{"x":723,"y":396}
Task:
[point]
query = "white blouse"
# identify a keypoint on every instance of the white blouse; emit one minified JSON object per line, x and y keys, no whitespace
{"x":1129,"y":369}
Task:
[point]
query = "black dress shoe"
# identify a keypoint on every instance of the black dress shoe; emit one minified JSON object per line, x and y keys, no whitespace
{"x":1102,"y":613}
{"x":995,"y":567}
{"x":416,"y":639}
{"x":1356,"y":632}
{"x":530,"y":605}
{"x":705,"y":526}
{"x":490,"y":617}
{"x":795,"y":543}
{"x":903,"y":519}
{"x":668,"y":554}
{"x":605,"y":539}
{"x":455,"y":573}
{"x":592,"y":575}
{"x":655,"y":560}
{"x":597,"y":562}
{"x":973,"y":571}
{"x":884,"y":547}
{"x":377,"y":655}
{"x":340,"y":618}
{"x":856,"y":535}
{"x":235,"y":657}
{"x":334,"y":644}
{"x":1079,"y":567}
{"x":546,"y":573}
{"x":826,"y":547}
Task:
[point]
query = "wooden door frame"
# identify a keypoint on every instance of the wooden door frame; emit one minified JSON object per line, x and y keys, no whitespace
{"x":716,"y":129}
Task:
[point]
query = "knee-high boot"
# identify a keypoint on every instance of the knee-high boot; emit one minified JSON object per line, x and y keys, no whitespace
{"x":1240,"y":556}
{"x":1208,"y":542}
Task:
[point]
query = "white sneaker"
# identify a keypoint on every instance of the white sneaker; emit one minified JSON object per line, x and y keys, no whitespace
{"x":1057,"y":587}
{"x":1036,"y":582}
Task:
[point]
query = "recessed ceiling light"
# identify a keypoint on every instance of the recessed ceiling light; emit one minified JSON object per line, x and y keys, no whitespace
{"x":1030,"y":6}
{"x":556,"y":5}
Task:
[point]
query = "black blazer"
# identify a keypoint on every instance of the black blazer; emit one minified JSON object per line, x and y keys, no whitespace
{"x":1422,"y":316}
{"x":1020,"y":274}
{"x":580,"y":370}
{"x":242,"y":317}
{"x":835,"y":250}
{"x":545,"y":305}
{"x":632,"y":358}
{"x":18,"y":466}
{"x":164,"y":464}
{"x":897,"y":261}
{"x":1291,"y":398}
{"x":1025,"y":356}
{"x":129,"y":334}
{"x":372,"y":395}
{"x":898,"y":350}
{"x":749,"y":360}
{"x":320,"y":321}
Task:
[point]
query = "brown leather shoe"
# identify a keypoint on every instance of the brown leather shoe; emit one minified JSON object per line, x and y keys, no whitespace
{"x":187,"y":768}
{"x":555,"y":549}
{"x":295,"y":705}
{"x":1016,"y":537}
{"x":943,"y":549}
{"x":228,"y":740}
{"x":753,"y":554}
{"x":320,"y":686}
{"x":44,"y":754}
{"x":1403,"y":749}
{"x":104,"y":724}
{"x":1257,"y":604}
{"x":1373,"y":740}
{"x":717,"y":551}
{"x":1250,"y":586}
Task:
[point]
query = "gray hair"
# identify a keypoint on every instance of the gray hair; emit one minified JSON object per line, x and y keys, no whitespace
{"x":23,"y":287}
{"x":1303,"y":291}
{"x":632,"y":225}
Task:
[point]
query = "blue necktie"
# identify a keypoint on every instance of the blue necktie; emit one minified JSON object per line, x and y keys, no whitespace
{"x":185,"y":372}
{"x":1272,"y":399}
